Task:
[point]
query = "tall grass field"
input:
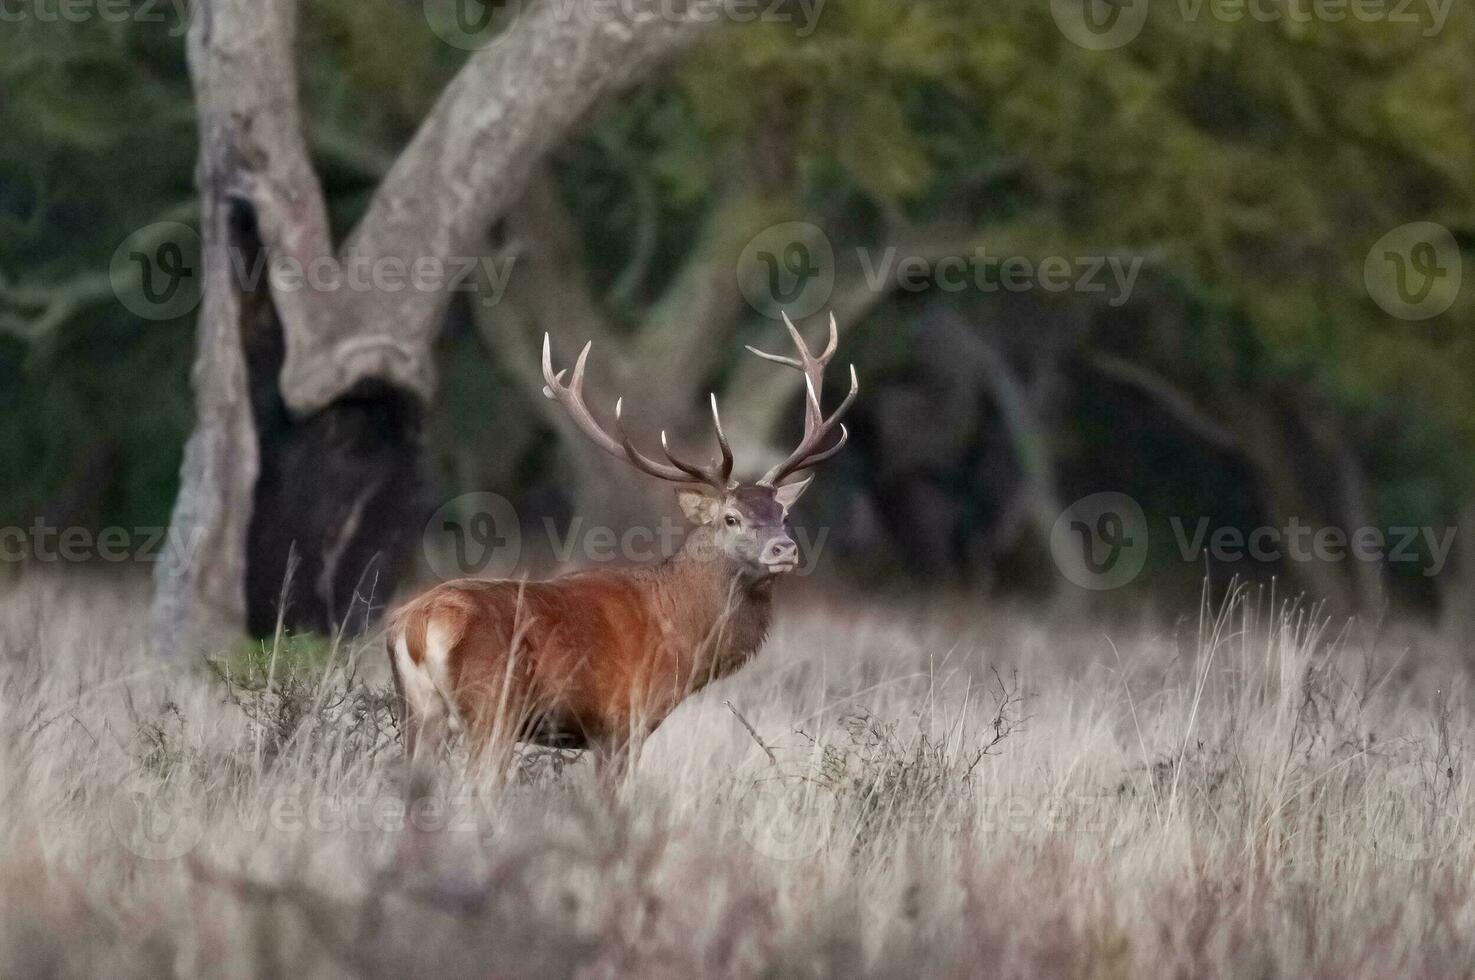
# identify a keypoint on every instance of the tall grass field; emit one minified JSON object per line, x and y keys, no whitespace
{"x":889,"y":790}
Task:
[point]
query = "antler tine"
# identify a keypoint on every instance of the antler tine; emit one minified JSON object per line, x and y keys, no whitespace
{"x":806,"y":357}
{"x":720,"y":472}
{"x":808,"y":453}
{"x":820,"y":457}
{"x":775,"y":358}
{"x":725,"y":473}
{"x":638,"y":459}
{"x":816,"y":427}
{"x":834,"y":341}
{"x":813,"y":367}
{"x":571,"y":397}
{"x":550,"y":380}
{"x":695,"y":472}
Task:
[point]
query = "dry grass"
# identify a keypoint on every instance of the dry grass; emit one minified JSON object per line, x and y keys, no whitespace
{"x":1244,"y":795}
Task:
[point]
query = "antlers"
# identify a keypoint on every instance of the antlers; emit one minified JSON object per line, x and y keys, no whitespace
{"x":571,"y":396}
{"x":718,"y":474}
{"x":817,"y":428}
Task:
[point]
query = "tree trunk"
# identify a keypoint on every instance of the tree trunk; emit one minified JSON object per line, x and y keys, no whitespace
{"x":305,"y":456}
{"x":200,"y":582}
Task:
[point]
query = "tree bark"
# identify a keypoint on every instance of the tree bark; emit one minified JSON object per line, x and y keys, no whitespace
{"x":322,"y":387}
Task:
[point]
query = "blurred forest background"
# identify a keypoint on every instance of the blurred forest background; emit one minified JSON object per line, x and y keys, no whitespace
{"x":1249,"y":378}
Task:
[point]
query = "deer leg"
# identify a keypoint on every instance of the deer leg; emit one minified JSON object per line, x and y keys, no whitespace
{"x":426,"y":736}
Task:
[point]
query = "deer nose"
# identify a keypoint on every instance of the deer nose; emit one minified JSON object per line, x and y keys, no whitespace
{"x":781,"y":551}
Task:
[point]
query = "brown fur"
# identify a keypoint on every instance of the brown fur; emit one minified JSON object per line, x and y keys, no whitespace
{"x":594,"y":659}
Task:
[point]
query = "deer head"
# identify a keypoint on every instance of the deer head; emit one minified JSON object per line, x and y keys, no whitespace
{"x":746,"y":522}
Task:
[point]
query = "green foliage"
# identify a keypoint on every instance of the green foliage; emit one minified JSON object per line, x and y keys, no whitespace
{"x":99,"y":142}
{"x":1254,"y":164}
{"x":1261,"y":161}
{"x":257,"y":662}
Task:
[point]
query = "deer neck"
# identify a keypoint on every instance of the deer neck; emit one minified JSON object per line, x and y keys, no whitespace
{"x":713,"y":609}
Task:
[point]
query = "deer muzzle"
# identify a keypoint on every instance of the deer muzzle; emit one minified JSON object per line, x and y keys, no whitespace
{"x":780,"y":555}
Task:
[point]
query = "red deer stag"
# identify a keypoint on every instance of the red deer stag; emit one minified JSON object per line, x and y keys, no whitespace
{"x":597,"y":659}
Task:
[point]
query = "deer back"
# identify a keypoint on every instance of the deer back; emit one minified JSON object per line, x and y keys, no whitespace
{"x":589,"y":657}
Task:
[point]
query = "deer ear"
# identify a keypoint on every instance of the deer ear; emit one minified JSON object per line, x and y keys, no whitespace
{"x":788,"y":494}
{"x":699,"y":505}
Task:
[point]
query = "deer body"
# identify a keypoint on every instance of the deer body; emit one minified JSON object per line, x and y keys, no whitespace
{"x":599,"y":659}
{"x":591,"y":660}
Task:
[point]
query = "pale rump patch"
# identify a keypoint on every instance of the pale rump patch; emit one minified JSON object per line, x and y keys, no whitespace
{"x":421,"y":697}
{"x":436,"y":664}
{"x":425,"y":681}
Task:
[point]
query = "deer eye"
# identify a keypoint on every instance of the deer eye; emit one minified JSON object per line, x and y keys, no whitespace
{"x":732,"y":520}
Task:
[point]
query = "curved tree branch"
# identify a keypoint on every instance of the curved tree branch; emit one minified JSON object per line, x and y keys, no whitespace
{"x":469,"y":161}
{"x":1178,"y":405}
{"x":510,"y":103}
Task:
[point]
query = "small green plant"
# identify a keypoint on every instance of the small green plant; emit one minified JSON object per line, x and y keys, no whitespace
{"x":303,"y":693}
{"x":289,"y":655}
